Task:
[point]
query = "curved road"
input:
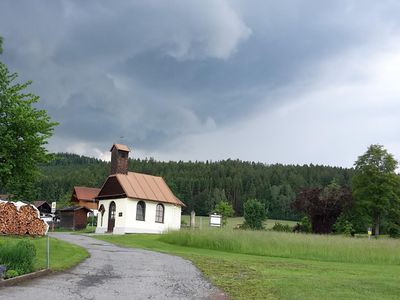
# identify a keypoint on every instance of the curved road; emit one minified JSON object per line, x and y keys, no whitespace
{"x":112,"y":272}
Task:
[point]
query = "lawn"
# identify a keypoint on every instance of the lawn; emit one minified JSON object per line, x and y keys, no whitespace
{"x":283,"y":265}
{"x":63,"y":255}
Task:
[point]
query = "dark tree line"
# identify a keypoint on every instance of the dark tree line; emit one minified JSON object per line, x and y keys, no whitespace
{"x":200,"y":185}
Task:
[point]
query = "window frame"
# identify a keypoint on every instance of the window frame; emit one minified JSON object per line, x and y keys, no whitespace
{"x":142,"y":206}
{"x":158,"y":213}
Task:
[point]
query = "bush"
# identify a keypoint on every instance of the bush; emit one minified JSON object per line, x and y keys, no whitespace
{"x":18,"y":256}
{"x":282,"y":227}
{"x":254,"y":214}
{"x":92,"y":219}
{"x":11,"y":274}
{"x":303,"y":226}
{"x":224,"y":209}
{"x":344,"y":226}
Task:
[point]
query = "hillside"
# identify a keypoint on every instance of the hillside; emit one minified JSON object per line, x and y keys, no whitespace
{"x":198,"y":184}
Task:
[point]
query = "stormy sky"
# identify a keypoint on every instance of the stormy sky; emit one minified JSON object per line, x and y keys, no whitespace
{"x":272,"y":81}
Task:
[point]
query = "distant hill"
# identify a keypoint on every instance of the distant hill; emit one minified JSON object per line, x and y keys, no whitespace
{"x":199,"y":184}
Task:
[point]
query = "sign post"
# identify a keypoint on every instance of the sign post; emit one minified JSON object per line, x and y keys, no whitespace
{"x":53,"y":207}
{"x":48,"y":251}
{"x":215,"y":220}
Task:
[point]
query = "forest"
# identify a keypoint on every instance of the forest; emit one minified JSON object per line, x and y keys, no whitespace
{"x":200,"y":185}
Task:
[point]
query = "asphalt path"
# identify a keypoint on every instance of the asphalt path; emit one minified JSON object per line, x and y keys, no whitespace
{"x":113,"y":272}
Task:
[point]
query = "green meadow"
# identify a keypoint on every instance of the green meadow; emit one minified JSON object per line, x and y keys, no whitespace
{"x":272,"y":265}
{"x":202,"y":222}
{"x":63,"y":255}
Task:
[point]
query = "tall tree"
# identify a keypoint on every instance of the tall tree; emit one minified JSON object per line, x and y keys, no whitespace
{"x":24,"y":131}
{"x":376,"y":186}
{"x":323,"y":205}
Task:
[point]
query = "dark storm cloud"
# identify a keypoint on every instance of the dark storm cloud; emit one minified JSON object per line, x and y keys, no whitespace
{"x":152,"y":71}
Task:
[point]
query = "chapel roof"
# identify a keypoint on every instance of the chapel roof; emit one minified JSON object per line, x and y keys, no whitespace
{"x":142,"y":186}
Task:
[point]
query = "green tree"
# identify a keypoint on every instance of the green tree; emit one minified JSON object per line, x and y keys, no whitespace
{"x":254,"y":214}
{"x":225,"y":209}
{"x":24,"y":131}
{"x":376,"y":186}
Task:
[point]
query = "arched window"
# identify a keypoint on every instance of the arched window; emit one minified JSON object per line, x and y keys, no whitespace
{"x":140,"y":211}
{"x":101,"y":210}
{"x":160,"y":213}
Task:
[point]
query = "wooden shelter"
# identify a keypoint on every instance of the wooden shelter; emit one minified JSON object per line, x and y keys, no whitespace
{"x":43,"y":207}
{"x":74,"y":217}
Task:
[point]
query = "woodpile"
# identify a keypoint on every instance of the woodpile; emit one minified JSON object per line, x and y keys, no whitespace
{"x":20,"y":219}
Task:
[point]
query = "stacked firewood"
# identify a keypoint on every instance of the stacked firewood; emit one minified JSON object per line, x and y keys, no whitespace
{"x":20,"y":219}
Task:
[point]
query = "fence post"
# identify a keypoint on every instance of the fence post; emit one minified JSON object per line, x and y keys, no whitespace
{"x":48,"y":251}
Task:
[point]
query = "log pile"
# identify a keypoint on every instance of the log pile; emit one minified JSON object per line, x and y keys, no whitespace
{"x":20,"y":219}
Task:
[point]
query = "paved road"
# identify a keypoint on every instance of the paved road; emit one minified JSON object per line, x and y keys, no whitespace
{"x":112,"y":272}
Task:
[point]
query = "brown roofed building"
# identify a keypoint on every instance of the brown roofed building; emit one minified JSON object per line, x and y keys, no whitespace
{"x":85,"y":196}
{"x":132,"y":202}
{"x":138,"y":186}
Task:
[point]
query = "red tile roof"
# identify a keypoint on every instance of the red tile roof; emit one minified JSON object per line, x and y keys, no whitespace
{"x":146,"y":187}
{"x":86,"y":193}
{"x":120,"y":147}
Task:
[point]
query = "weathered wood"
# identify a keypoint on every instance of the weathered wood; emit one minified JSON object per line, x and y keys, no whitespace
{"x":24,"y":220}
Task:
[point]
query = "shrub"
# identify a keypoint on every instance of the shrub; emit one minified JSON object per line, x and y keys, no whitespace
{"x":254,"y":214}
{"x":344,"y":226}
{"x":92,"y":219}
{"x":18,"y":256}
{"x":303,"y":226}
{"x":224,"y":209}
{"x":11,"y":274}
{"x":282,"y":227}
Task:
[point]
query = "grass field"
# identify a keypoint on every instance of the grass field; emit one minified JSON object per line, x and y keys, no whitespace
{"x":283,"y":265}
{"x":202,"y":222}
{"x":63,"y":255}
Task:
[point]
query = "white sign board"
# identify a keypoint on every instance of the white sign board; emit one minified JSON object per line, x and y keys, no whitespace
{"x":53,"y":207}
{"x":215,"y":220}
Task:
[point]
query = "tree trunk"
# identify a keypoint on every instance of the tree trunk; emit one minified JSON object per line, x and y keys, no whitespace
{"x":377,"y":221}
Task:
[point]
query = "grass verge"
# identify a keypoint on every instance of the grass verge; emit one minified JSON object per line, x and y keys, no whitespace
{"x":63,"y":255}
{"x":290,"y":245}
{"x":245,"y":276}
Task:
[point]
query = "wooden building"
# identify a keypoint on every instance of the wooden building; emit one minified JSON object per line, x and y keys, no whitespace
{"x":85,"y":196}
{"x":43,"y":207}
{"x":74,"y":217}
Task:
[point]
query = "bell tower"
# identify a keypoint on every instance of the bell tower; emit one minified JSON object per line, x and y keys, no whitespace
{"x":119,"y":159}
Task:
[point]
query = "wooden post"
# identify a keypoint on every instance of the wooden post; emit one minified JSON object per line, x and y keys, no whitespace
{"x":192,"y":219}
{"x":48,"y":251}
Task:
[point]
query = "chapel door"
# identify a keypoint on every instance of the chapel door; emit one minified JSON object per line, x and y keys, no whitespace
{"x":111,"y":217}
